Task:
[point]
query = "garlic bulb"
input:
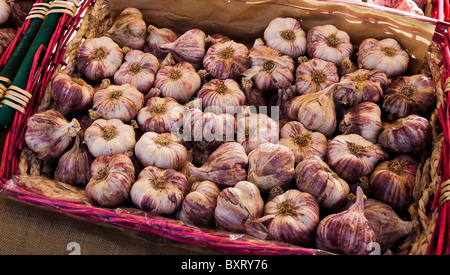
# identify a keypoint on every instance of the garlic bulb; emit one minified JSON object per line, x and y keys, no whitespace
{"x":256,"y":129}
{"x":49,"y":134}
{"x":364,"y":119}
{"x":74,"y":166}
{"x":129,"y":29}
{"x":303,"y":142}
{"x":253,"y":96}
{"x":387,"y":225}
{"x":164,"y":151}
{"x":109,"y":137}
{"x":199,"y":204}
{"x":291,"y":217}
{"x":315,"y":75}
{"x":316,"y":111}
{"x":329,"y":43}
{"x":226,"y":166}
{"x":138,"y":69}
{"x":271,"y":165}
{"x":159,"y":191}
{"x":287,"y":36}
{"x":347,"y":66}
{"x":361,"y":86}
{"x":180,"y":82}
{"x":352,"y":157}
{"x":71,"y":94}
{"x":270,"y":69}
{"x":216,"y":38}
{"x":315,"y":177}
{"x":117,"y":102}
{"x":237,"y":206}
{"x":347,"y":232}
{"x":111,"y":180}
{"x":99,"y":58}
{"x":408,"y":135}
{"x":409,"y":95}
{"x":227,"y":60}
{"x":5,"y":12}
{"x":386,"y":55}
{"x":393,"y":182}
{"x":158,"y":36}
{"x":221,"y":96}
{"x":160,"y":115}
{"x":189,"y":47}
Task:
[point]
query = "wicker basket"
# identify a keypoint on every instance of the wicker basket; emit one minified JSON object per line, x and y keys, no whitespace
{"x":20,"y":169}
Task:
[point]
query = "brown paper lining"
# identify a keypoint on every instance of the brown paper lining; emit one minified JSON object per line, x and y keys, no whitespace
{"x":245,"y":21}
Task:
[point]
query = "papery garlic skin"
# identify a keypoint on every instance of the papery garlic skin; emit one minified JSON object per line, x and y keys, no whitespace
{"x":158,"y":36}
{"x":109,"y":137}
{"x":111,"y":180}
{"x":409,"y":95}
{"x":138,"y":69}
{"x":117,"y":102}
{"x":386,"y":55}
{"x":271,"y":165}
{"x":364,"y":119}
{"x":256,"y":129}
{"x":315,"y":75}
{"x":164,"y":151}
{"x":408,"y":135}
{"x":352,"y":157}
{"x":199,"y":204}
{"x":393,"y":182}
{"x":315,"y":177}
{"x":287,"y":36}
{"x":160,"y":115}
{"x":99,"y":58}
{"x":347,"y":232}
{"x":71,"y":94}
{"x":227,"y":60}
{"x":238,"y":205}
{"x":49,"y":134}
{"x":129,"y":29}
{"x":180,"y":82}
{"x":329,"y":43}
{"x":221,"y":96}
{"x":159,"y":191}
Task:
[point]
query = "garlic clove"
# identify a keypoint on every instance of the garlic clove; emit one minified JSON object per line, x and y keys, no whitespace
{"x":129,"y":29}
{"x":315,"y":75}
{"x":160,"y":115}
{"x":158,"y":36}
{"x":221,"y":96}
{"x":287,"y":36}
{"x":364,"y":119}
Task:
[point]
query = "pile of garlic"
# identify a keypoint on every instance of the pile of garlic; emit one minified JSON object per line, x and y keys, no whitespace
{"x":169,"y":124}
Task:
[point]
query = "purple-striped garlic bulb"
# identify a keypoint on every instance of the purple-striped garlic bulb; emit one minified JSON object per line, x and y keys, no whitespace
{"x":352,"y":157}
{"x":160,"y":115}
{"x":315,"y":177}
{"x":227,"y":60}
{"x":129,"y":29}
{"x":386,"y":55}
{"x":393,"y":181}
{"x":255,"y":129}
{"x":253,"y":96}
{"x":138,"y":69}
{"x":287,"y":36}
{"x":49,"y":134}
{"x":180,"y":82}
{"x":71,"y":94}
{"x":303,"y":142}
{"x":164,"y":150}
{"x":189,"y":47}
{"x":408,"y":95}
{"x":99,"y":58}
{"x":408,"y":135}
{"x":238,"y":206}
{"x":111,"y":180}
{"x":221,"y":96}
{"x":328,"y":43}
{"x":159,"y":191}
{"x":290,"y":217}
{"x":347,"y":232}
{"x":158,"y":36}
{"x":364,"y":119}
{"x":199,"y":204}
{"x":315,"y":75}
{"x":271,"y":165}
